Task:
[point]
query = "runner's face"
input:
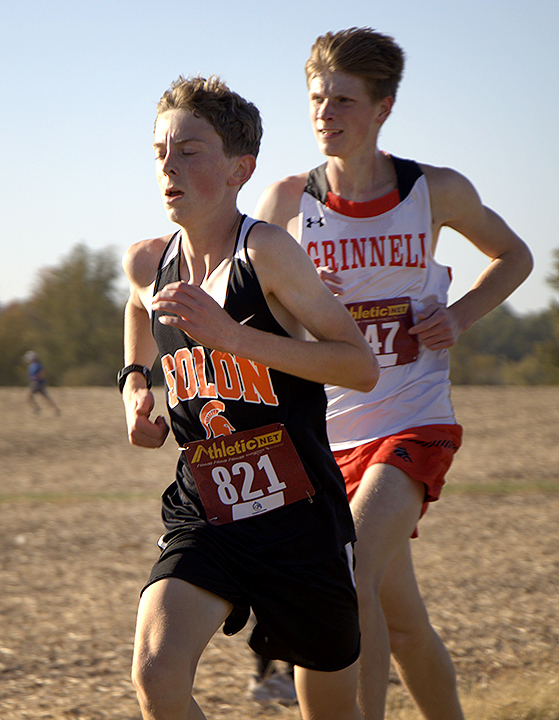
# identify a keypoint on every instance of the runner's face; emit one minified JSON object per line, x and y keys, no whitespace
{"x":192,"y":169}
{"x":344,"y":118}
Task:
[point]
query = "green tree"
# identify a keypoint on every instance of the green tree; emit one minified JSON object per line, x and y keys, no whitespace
{"x":503,"y":348}
{"x":73,"y":320}
{"x":15,"y":340}
{"x":553,"y":279}
{"x":548,"y":351}
{"x":76,"y":318}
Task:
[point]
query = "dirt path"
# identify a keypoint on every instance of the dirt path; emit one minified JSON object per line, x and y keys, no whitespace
{"x":80,"y":515}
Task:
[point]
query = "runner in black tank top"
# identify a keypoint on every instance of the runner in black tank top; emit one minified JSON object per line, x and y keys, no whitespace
{"x":257,"y":518}
{"x":295,"y":534}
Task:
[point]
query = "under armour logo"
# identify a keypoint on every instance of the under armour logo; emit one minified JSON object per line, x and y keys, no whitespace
{"x":403,"y":453}
{"x":313,"y":221}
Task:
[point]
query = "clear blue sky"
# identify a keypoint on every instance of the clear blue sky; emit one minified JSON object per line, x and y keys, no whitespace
{"x":80,"y":81}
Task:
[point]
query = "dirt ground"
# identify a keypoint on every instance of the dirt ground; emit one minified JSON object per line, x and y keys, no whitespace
{"x":79,"y":520}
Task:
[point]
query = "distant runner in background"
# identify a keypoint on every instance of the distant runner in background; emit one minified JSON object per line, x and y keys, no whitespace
{"x":37,"y":382}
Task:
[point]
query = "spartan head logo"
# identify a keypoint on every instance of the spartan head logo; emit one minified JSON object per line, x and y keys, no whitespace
{"x":214,"y":423}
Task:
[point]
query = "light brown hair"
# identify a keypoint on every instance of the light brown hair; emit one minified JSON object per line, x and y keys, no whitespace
{"x":236,"y":120}
{"x":362,"y":52}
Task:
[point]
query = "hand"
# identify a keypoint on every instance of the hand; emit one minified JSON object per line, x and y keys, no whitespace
{"x":138,"y":405}
{"x":437,"y":328}
{"x":332,"y":281}
{"x":198,"y":314}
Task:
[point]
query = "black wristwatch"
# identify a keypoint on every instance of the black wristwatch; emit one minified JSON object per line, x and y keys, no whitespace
{"x":125,"y":372}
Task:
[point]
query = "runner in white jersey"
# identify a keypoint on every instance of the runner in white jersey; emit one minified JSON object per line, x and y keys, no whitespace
{"x":371,"y":222}
{"x":382,"y":252}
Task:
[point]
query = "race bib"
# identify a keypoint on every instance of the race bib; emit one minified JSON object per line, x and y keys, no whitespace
{"x":385,"y":325}
{"x":247,"y":473}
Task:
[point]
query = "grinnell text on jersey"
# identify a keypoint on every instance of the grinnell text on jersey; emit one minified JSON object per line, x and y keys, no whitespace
{"x":406,"y":250}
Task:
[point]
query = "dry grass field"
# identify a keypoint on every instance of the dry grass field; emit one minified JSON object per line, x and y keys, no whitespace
{"x":79,"y":518}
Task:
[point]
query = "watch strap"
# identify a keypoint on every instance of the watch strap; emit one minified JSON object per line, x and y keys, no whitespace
{"x":123,"y":374}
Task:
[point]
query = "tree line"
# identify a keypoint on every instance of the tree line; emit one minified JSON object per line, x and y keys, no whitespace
{"x":505,"y":348}
{"x":74,"y":322}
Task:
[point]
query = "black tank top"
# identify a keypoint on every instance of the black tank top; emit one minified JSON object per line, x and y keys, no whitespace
{"x":215,"y":393}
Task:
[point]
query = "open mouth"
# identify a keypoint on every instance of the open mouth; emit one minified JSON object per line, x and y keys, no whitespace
{"x":171,"y":193}
{"x":328,"y":133}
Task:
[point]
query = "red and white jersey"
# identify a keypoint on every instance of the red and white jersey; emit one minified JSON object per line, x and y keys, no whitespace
{"x":382,"y":250}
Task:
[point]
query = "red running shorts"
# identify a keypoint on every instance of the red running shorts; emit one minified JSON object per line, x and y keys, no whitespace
{"x":424,"y":453}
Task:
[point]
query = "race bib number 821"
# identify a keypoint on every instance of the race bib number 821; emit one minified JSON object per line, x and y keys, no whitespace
{"x":247,"y":473}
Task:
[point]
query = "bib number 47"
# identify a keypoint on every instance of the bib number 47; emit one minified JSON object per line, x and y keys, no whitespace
{"x":384,"y":350}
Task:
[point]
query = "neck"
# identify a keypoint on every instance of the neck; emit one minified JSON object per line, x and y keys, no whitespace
{"x":204,"y":249}
{"x":361,"y":179}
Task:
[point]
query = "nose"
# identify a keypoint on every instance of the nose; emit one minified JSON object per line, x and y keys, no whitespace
{"x":325,"y":110}
{"x":168,"y":164}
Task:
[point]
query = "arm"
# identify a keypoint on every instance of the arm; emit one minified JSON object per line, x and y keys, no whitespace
{"x":297,"y":297}
{"x":456,"y":204}
{"x":140,"y":348}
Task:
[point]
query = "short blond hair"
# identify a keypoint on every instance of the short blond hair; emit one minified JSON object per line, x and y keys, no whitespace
{"x":362,"y":52}
{"x":236,"y":120}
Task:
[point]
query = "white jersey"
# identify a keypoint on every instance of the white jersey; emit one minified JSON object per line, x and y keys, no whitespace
{"x":382,"y":250}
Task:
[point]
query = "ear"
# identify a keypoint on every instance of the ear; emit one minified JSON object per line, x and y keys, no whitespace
{"x":384,"y":109}
{"x":242,"y":170}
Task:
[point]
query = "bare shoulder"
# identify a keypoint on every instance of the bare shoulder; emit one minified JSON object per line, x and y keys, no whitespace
{"x":270,"y":240}
{"x":452,"y":194}
{"x":141,"y":260}
{"x":279,"y":203}
{"x":455,"y":203}
{"x":445,"y":180}
{"x":276,"y":255}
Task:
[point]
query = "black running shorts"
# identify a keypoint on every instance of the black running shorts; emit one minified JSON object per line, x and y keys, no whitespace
{"x":306,"y":614}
